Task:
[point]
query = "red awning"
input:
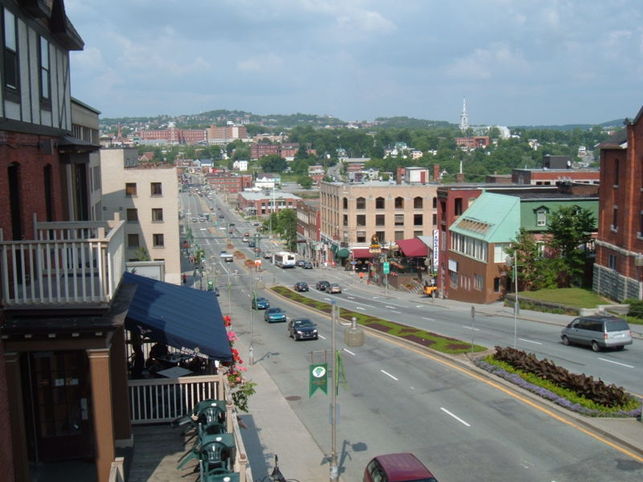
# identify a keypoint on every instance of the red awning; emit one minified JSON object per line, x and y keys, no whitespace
{"x":361,"y":253}
{"x":413,"y":248}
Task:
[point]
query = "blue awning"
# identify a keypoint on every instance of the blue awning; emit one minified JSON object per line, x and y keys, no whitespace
{"x":182,"y":317}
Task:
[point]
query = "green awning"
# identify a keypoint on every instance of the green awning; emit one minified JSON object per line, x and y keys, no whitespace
{"x":333,"y":248}
{"x":343,"y":253}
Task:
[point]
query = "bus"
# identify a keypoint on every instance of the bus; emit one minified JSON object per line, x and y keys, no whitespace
{"x":284,"y":259}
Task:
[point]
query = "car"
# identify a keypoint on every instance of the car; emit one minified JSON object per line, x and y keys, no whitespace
{"x":334,"y":288}
{"x":322,"y":285}
{"x":260,"y":303}
{"x":307,"y":265}
{"x":274,"y":315}
{"x":301,"y":286}
{"x":267,"y":255}
{"x":599,"y":332}
{"x":221,"y":216}
{"x":302,"y":329}
{"x":300,"y":263}
{"x":251,"y":244}
{"x":195,"y":220}
{"x":403,"y":467}
{"x":256,"y":224}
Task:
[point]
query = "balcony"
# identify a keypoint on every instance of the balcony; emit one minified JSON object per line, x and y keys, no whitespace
{"x":69,"y":264}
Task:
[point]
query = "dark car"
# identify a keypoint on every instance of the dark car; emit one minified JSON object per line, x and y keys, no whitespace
{"x":300,"y":263}
{"x":260,"y":304}
{"x":302,"y":329}
{"x":301,"y":286}
{"x":274,"y":315}
{"x":251,"y":244}
{"x":307,"y":265}
{"x":322,"y":285}
{"x":403,"y":467}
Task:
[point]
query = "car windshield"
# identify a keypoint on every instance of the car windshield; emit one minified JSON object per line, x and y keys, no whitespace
{"x":304,"y":324}
{"x":274,"y":310}
{"x":261,"y":300}
{"x":617,"y":325}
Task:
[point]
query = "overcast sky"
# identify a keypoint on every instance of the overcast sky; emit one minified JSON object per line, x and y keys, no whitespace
{"x":515,"y":61}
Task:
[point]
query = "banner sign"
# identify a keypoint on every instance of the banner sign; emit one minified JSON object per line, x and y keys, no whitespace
{"x":436,"y":249}
{"x":318,"y":378}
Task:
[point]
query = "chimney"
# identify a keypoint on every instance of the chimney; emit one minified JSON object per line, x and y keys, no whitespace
{"x":400,"y":175}
{"x":436,"y":172}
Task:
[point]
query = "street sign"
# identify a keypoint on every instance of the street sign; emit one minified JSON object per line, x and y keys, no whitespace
{"x":386,"y":268}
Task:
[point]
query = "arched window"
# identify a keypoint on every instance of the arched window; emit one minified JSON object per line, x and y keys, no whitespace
{"x":417,"y":202}
{"x":360,"y":203}
{"x":379,"y":203}
{"x":345,"y":202}
{"x":435,"y":202}
{"x":399,"y":202}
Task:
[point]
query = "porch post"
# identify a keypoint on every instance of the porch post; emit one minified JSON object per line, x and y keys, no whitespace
{"x":99,"y":363}
{"x":17,"y":418}
{"x":120,"y":391}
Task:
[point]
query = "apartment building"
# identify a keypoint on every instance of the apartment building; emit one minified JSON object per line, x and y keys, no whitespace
{"x":351,"y":214}
{"x":172,"y":135}
{"x":223,"y":135}
{"x":263,"y":203}
{"x":228,"y":182}
{"x":146,"y":197}
{"x":618,"y":269}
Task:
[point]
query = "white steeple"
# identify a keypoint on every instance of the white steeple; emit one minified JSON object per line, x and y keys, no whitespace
{"x":464,"y":117}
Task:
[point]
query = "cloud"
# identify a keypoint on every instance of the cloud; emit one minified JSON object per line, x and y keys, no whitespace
{"x":263,"y":63}
{"x":483,"y":64}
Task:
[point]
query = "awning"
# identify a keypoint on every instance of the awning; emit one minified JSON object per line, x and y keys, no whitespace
{"x":361,"y":253}
{"x":343,"y":253}
{"x":182,"y":317}
{"x":413,"y":247}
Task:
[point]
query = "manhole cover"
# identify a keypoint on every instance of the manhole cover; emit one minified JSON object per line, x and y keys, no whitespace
{"x":293,"y":398}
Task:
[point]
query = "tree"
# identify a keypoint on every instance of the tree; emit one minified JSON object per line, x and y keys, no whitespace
{"x":305,"y":181}
{"x":284,"y":222}
{"x":273,"y":163}
{"x":534,"y":270}
{"x":570,"y":229}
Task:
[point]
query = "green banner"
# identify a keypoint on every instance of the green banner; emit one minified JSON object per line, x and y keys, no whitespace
{"x":318,"y":378}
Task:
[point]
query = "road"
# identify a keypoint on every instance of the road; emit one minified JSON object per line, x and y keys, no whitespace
{"x":403,"y":400}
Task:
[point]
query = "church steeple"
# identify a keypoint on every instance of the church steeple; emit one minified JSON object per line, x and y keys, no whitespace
{"x":464,"y":117}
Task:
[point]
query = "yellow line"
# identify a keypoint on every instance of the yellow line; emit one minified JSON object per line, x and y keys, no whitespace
{"x":518,"y":397}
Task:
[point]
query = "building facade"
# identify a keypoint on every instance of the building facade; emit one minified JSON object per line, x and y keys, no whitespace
{"x":228,"y":182}
{"x":552,"y":177}
{"x":308,"y":229}
{"x":618,"y":269}
{"x":264,"y":203}
{"x":146,"y":197}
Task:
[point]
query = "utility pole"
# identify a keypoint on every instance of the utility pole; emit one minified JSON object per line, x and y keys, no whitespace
{"x":333,"y":473}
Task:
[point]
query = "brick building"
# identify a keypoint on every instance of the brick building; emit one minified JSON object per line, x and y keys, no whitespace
{"x":473,"y":142}
{"x":618,"y":269}
{"x":172,"y":135}
{"x":308,"y":228}
{"x":225,"y":134}
{"x":552,"y":177}
{"x":263,"y":203}
{"x":228,"y":182}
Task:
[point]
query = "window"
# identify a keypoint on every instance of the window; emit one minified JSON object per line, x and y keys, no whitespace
{"x":399,"y":235}
{"x":478,"y":282}
{"x":345,"y":220}
{"x":611,"y":261}
{"x":379,"y":203}
{"x":541,"y":217}
{"x":158,"y":241}
{"x":361,"y":219}
{"x":458,"y":206}
{"x":641,"y":224}
{"x":43,"y":55}
{"x":132,"y":214}
{"x":156,"y":189}
{"x":434,"y":218}
{"x":500,"y":253}
{"x":418,"y":203}
{"x":11,"y":80}
{"x":380,"y":220}
{"x":132,"y":240}
{"x":418,"y":220}
{"x":417,"y":234}
{"x":130,"y":189}
{"x":435,"y":202}
{"x":614,"y":218}
{"x":345,"y":203}
{"x":380,"y":236}
{"x":496,"y":285}
{"x":399,"y":219}
{"x":617,"y":171}
{"x":360,"y":203}
{"x":399,"y":202}
{"x":361,"y":236}
{"x":453,"y":279}
{"x":157,"y":215}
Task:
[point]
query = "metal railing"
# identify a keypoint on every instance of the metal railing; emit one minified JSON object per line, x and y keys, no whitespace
{"x":69,"y":263}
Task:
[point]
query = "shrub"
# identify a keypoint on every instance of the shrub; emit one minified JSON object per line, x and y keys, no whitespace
{"x":636,"y":308}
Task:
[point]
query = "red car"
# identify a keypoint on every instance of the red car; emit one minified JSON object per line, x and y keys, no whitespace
{"x":404,"y":467}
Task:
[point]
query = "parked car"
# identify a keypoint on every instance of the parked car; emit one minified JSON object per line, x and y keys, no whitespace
{"x":251,"y":244}
{"x":334,"y":288}
{"x":260,"y":304}
{"x":322,"y":285}
{"x":598,"y":332}
{"x":300,"y":263}
{"x":307,"y":265}
{"x":274,"y":315}
{"x":302,"y":329}
{"x":404,"y":467}
{"x":267,"y":255}
{"x":301,"y":286}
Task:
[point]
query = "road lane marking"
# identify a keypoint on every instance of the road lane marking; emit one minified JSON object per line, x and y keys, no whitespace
{"x":350,"y":297}
{"x":349,"y":352}
{"x":376,"y":297}
{"x":419,"y":306}
{"x":470,"y":328}
{"x":327,"y":299}
{"x":359,"y":308}
{"x":322,"y":337}
{"x":389,"y":307}
{"x":455,"y":416}
{"x":509,"y":392}
{"x":427,"y":318}
{"x":615,"y":362}
{"x":530,"y":341}
{"x":389,"y":375}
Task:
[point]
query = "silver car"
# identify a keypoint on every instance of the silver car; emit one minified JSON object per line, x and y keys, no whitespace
{"x":598,"y":332}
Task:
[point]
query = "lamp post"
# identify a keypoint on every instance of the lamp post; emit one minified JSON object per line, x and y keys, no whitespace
{"x":514,"y":261}
{"x":333,"y":398}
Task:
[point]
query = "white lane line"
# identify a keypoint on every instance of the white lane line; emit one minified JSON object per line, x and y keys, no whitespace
{"x":376,"y":297}
{"x":389,"y":375}
{"x":427,"y":318}
{"x":359,"y":308}
{"x":530,"y":341}
{"x":616,"y":363}
{"x":471,"y":328}
{"x":396,"y":312}
{"x":389,"y":307}
{"x":322,"y":337}
{"x":327,"y":299}
{"x":349,"y":352}
{"x":350,"y":297}
{"x":419,"y":306}
{"x":455,"y":416}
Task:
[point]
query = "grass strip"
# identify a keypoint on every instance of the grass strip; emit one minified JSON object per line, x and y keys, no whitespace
{"x":422,"y":337}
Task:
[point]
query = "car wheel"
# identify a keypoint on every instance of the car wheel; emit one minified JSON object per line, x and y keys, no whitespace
{"x":565,"y":341}
{"x":595,"y":346}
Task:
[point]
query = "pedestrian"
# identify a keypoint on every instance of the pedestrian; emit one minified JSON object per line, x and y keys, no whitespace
{"x":184,"y":277}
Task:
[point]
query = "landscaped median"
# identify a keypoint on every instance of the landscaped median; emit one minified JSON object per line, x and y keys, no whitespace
{"x":419,"y":336}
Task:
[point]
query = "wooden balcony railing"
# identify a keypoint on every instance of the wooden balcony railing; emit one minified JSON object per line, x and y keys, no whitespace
{"x":69,"y":263}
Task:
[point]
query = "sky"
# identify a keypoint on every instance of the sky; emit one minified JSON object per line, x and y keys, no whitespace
{"x":516,"y":62}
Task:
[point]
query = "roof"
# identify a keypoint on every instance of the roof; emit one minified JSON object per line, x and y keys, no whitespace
{"x":413,"y":247}
{"x":256,"y":196}
{"x":493,"y":218}
{"x":178,"y":316}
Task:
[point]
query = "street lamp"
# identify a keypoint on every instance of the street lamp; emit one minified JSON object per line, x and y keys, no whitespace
{"x":509,"y":262}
